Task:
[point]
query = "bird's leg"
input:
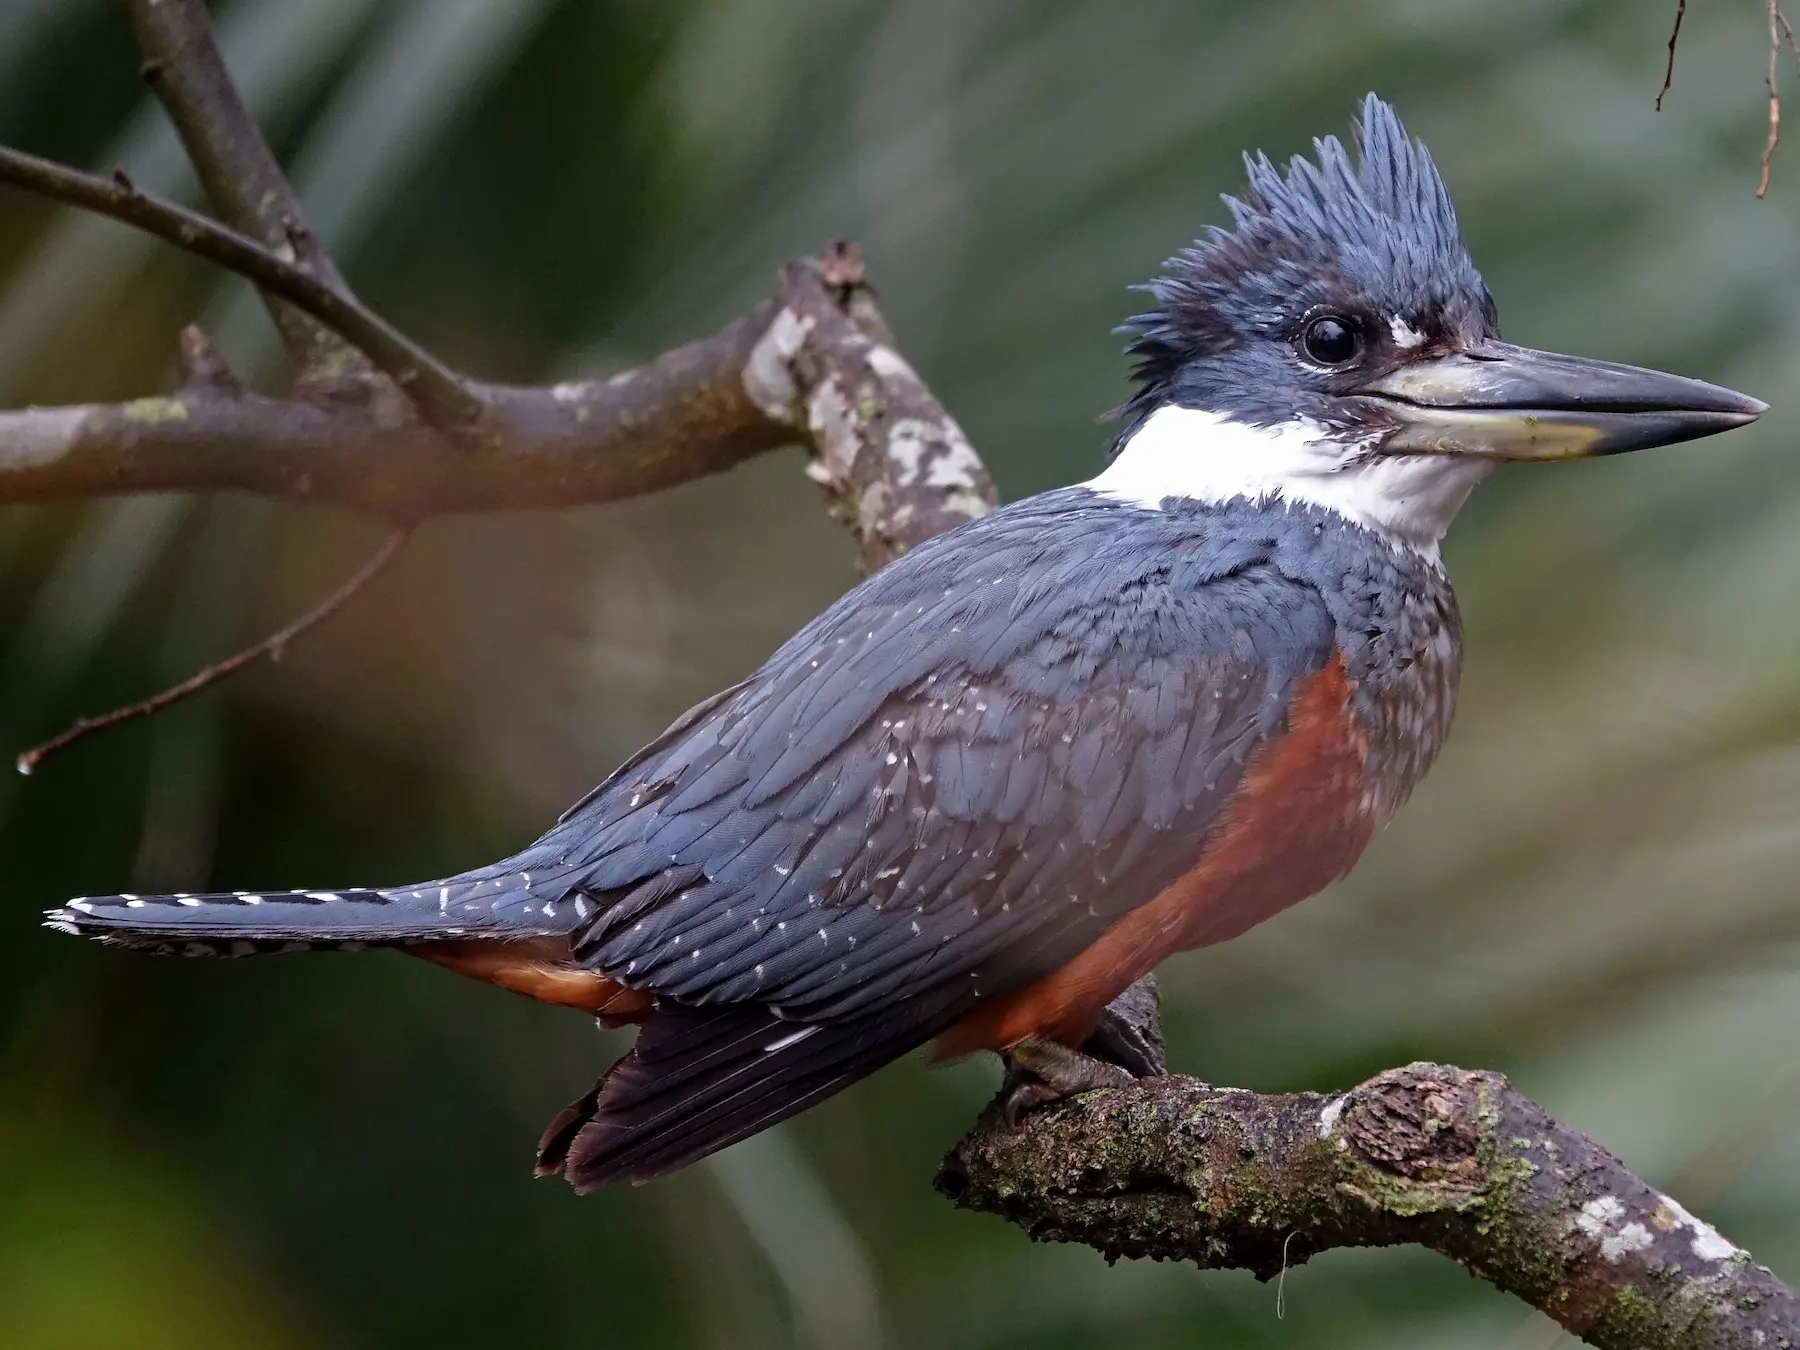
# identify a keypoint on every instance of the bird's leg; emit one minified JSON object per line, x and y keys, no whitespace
{"x":1129,"y":1032}
{"x":1126,"y":1045}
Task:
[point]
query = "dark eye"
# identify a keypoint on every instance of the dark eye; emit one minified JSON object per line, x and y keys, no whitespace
{"x":1331,"y":340}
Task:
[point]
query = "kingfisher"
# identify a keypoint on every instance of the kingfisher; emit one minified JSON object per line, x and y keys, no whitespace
{"x":1003,"y":778}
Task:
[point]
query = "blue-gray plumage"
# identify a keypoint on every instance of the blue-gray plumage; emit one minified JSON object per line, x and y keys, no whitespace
{"x":1003,"y":778}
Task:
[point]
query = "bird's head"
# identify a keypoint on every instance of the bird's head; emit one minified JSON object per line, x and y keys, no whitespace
{"x":1337,"y":346}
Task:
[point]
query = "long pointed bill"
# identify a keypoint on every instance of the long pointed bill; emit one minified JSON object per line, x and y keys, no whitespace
{"x":1505,"y":402}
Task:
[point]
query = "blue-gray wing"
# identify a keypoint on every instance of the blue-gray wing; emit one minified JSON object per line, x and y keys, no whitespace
{"x":955,"y":779}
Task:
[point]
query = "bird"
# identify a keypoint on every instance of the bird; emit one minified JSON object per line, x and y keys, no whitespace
{"x":1003,"y":778}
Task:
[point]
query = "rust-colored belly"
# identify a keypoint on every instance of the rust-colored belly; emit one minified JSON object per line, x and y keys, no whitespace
{"x":539,"y":969}
{"x":1298,"y":821}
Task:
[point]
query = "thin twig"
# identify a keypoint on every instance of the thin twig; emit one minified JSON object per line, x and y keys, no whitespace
{"x":1775,"y":20}
{"x":1674,"y":37}
{"x":446,"y":398}
{"x":1781,"y":34}
{"x":182,"y":64}
{"x":271,"y":647}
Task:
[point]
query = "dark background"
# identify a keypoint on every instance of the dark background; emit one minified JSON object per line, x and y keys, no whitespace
{"x":1595,"y":892}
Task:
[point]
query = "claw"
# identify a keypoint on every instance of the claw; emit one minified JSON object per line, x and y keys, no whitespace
{"x":1039,"y":1072}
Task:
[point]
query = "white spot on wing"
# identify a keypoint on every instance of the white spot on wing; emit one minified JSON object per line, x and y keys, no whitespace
{"x":792,"y":1038}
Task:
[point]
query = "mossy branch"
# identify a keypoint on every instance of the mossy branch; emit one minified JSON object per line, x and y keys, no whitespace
{"x":1446,"y":1158}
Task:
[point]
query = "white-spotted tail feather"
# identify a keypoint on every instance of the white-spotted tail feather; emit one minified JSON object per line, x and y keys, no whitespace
{"x":487,"y":904}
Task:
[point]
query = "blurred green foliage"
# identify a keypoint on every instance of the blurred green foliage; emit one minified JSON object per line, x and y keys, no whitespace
{"x":1594,"y":892}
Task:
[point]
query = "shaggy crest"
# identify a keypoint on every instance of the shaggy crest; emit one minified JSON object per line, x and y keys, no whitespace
{"x":1377,"y":233}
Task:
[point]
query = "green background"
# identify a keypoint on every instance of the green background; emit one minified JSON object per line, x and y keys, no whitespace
{"x":1595,"y":891}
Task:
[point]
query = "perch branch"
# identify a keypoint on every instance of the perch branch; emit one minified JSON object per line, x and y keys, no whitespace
{"x":1445,"y":1158}
{"x":1781,"y":34}
{"x":798,"y":368}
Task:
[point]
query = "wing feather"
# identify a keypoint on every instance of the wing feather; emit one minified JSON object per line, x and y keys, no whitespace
{"x":939,"y":792}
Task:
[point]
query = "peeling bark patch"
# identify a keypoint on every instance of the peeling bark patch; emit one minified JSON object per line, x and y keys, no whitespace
{"x":894,"y":464}
{"x":940,"y":456}
{"x":1633,"y":1237}
{"x":907,"y":444}
{"x":1328,"y":1118}
{"x":1597,"y":1214}
{"x":833,"y":424}
{"x":39,"y":436}
{"x":1708,"y":1244}
{"x":890,"y":365}
{"x":767,"y":377}
{"x":1597,"y":1219}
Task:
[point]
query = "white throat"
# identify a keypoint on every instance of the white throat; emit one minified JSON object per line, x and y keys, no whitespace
{"x":1205,"y":456}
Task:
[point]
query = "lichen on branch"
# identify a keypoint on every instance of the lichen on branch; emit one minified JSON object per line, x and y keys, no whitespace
{"x":1450,"y":1159}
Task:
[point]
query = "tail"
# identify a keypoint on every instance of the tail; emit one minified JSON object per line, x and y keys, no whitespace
{"x":496,"y":902}
{"x":699,"y":1079}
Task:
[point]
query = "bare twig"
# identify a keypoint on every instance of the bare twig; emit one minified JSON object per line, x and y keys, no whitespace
{"x":183,"y":65}
{"x":1781,"y":34}
{"x":1762,"y":185}
{"x":446,"y":398}
{"x":271,"y":647}
{"x":1674,"y":37}
{"x":1445,"y":1158}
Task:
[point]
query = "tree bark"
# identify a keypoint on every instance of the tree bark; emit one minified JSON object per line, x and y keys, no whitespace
{"x":1447,"y":1158}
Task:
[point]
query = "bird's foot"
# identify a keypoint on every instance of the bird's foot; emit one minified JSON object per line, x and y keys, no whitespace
{"x":1040,"y":1071}
{"x":1129,"y":1032}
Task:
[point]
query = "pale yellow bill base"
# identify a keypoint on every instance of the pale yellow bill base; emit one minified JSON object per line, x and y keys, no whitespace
{"x":1505,"y":402}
